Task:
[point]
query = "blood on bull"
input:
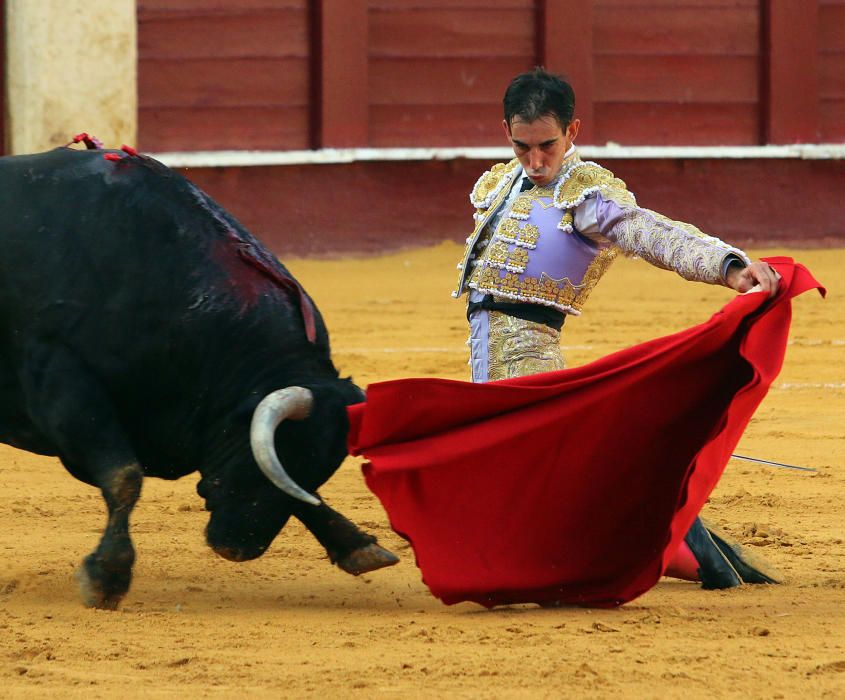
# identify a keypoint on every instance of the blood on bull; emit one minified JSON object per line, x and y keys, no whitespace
{"x":145,"y":332}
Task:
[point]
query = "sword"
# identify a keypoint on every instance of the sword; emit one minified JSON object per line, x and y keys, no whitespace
{"x":774,"y":464}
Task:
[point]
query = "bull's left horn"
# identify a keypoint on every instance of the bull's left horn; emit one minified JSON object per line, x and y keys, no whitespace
{"x":293,"y":402}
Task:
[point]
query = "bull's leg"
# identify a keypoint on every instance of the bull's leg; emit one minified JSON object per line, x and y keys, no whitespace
{"x":72,"y":410}
{"x":106,"y":573}
{"x":354,"y":551}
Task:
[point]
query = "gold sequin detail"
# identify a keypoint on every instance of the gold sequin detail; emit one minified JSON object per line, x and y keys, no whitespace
{"x":497,"y":254}
{"x":518,"y":347}
{"x":486,"y":185}
{"x":529,"y":235}
{"x":518,"y":258}
{"x":584,"y":177}
{"x":559,"y":293}
{"x":594,"y":273}
{"x":522,"y":206}
{"x":488,"y":182}
{"x":508,"y":230}
{"x":525,"y":236}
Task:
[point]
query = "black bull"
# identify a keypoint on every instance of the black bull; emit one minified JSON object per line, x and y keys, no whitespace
{"x":141,"y":327}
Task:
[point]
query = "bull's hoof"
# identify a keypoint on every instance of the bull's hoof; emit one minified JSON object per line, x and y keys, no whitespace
{"x":365,"y":559}
{"x":100,"y":588}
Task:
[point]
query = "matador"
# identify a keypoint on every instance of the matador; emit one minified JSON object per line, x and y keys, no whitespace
{"x":547,"y":227}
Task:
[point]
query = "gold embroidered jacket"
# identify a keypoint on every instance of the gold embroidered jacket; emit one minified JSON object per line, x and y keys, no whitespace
{"x":553,"y":243}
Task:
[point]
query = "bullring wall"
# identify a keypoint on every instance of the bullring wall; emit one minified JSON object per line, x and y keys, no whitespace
{"x":371,"y":207}
{"x":291,"y":76}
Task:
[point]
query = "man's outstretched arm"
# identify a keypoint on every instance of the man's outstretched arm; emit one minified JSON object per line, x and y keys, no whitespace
{"x":614,"y":216}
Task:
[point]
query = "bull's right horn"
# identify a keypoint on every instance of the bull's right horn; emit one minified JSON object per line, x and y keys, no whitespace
{"x":292,"y":402}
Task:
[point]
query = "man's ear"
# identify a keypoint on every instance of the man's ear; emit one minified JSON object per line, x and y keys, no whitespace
{"x":507,"y":128}
{"x":572,"y":129}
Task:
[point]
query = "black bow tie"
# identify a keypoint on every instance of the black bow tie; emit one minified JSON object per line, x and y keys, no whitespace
{"x":526,"y":185}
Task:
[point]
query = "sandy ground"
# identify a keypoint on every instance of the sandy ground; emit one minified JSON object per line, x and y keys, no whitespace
{"x":290,"y":625}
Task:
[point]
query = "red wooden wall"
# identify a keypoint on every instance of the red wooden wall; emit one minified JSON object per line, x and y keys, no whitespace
{"x":832,"y":70}
{"x":289,"y":74}
{"x":437,"y":69}
{"x":676,"y":71}
{"x":269,"y":201}
{"x":223,"y":74}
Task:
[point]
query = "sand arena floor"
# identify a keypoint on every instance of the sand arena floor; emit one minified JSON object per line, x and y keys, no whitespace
{"x":290,"y":625}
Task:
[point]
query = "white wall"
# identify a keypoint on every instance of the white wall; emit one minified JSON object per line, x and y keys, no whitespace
{"x":71,"y":67}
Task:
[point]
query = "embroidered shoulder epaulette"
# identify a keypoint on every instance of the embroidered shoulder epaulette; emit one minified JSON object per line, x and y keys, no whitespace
{"x":584,"y":179}
{"x":491,"y":183}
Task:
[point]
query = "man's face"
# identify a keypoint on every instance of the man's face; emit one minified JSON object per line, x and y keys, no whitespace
{"x":541,"y":145}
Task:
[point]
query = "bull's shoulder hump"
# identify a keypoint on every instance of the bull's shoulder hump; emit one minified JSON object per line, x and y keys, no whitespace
{"x":56,"y":158}
{"x":70,"y":164}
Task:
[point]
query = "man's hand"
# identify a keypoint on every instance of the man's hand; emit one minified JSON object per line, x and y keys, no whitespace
{"x":742,"y":278}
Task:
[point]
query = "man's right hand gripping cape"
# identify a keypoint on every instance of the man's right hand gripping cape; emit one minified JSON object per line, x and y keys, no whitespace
{"x":574,"y":486}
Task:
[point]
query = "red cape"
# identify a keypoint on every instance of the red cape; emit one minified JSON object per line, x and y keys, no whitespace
{"x":578,"y":485}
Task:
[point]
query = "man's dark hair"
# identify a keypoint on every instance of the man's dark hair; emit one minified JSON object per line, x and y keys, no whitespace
{"x":538,"y":93}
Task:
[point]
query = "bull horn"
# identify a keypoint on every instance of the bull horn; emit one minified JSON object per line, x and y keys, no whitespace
{"x":293,"y":402}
